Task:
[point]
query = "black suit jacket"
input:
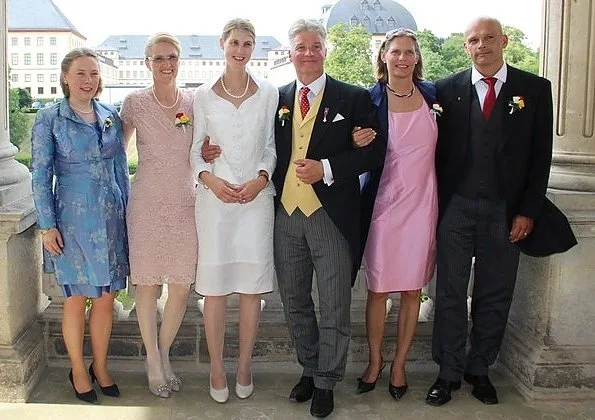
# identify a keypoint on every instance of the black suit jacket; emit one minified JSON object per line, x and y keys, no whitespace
{"x":525,"y":151}
{"x":333,"y":141}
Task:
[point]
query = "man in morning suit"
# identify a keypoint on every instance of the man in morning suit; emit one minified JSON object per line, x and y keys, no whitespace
{"x":492,"y":162}
{"x":317,"y":225}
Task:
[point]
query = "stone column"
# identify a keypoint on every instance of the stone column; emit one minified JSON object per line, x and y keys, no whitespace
{"x":21,"y":341}
{"x":549,"y":348}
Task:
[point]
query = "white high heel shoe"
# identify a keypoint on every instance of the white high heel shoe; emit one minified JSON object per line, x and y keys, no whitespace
{"x":244,"y":391}
{"x":218,"y":395}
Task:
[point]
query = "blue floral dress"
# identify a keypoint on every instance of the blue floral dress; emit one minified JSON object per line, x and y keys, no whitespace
{"x":80,"y":186}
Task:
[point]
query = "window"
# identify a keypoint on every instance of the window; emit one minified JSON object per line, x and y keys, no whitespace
{"x":128,"y":62}
{"x":183,"y":74}
{"x":53,"y":59}
{"x":40,"y":59}
{"x":217,"y":63}
{"x":40,"y":41}
{"x":142,"y":74}
{"x":14,"y":41}
{"x":27,"y":41}
{"x":53,"y":90}
{"x":28,"y":89}
{"x":40,"y":77}
{"x":53,"y":78}
{"x":27,"y":59}
{"x":52,"y":41}
{"x":40,"y":91}
{"x":134,"y":74}
{"x":27,"y":77}
{"x":121,"y":74}
{"x":14,"y":59}
{"x":128,"y":74}
{"x":14,"y":77}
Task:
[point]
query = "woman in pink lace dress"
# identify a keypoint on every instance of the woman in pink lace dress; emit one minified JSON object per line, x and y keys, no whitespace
{"x":160,"y":218}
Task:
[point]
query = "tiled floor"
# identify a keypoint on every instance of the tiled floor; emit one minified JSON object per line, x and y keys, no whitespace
{"x":54,"y":399}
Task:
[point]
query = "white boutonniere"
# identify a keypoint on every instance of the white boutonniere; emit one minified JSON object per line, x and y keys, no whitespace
{"x":107,"y":123}
{"x":436,"y":110}
{"x":283,"y":115}
{"x":516,"y":104}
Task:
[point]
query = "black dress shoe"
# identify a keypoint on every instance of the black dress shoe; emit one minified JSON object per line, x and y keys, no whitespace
{"x":110,"y":390}
{"x":88,"y":397}
{"x":322,"y":402}
{"x":483,"y":389}
{"x":303,"y":391}
{"x":439,"y":393}
{"x":363,"y":387}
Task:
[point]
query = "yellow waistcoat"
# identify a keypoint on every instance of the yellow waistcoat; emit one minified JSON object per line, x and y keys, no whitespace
{"x":296,"y":194}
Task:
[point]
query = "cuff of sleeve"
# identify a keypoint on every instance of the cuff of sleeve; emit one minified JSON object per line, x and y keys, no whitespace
{"x":328,"y":172}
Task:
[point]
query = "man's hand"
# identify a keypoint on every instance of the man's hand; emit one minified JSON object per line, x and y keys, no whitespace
{"x":362,"y":136}
{"x":309,"y":171}
{"x":209,"y":152}
{"x":225,"y":191}
{"x":52,"y":242}
{"x":521,"y":228}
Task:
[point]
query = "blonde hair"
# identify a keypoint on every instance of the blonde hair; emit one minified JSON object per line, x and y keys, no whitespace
{"x":236,"y":24}
{"x":67,"y":62}
{"x":382,"y":69}
{"x":162,"y":37}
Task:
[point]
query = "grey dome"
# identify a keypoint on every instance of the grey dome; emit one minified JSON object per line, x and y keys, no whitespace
{"x":377,"y":16}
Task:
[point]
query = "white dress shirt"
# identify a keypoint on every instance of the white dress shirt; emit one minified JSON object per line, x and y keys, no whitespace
{"x":481,"y":87}
{"x":316,"y":87}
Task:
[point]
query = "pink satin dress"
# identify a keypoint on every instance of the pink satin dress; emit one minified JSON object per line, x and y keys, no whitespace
{"x":400,"y":252}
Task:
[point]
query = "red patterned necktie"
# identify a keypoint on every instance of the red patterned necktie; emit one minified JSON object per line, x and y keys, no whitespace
{"x":304,"y":103}
{"x":490,"y":99}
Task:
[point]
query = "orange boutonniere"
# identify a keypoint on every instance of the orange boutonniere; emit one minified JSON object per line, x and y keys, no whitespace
{"x":283,"y":115}
{"x":516,"y":104}
{"x":182,"y":120}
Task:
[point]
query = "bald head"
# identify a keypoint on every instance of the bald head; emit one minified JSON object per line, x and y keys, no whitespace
{"x":483,"y":20}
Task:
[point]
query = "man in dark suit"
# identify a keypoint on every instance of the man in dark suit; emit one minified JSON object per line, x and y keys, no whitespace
{"x":317,"y":226}
{"x":493,"y":160}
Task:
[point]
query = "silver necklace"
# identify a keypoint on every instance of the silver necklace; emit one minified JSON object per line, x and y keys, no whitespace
{"x":231,"y":94}
{"x":81,"y":111}
{"x":160,"y":104}
{"x":398,"y":95}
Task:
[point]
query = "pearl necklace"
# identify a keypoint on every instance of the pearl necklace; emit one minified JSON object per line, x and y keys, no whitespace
{"x":398,"y":95}
{"x":160,"y":104}
{"x":232,"y":95}
{"x":81,"y":111}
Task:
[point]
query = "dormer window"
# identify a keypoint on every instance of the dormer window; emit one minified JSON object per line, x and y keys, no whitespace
{"x":366,"y":22}
{"x":379,"y":24}
{"x":377,"y":5}
{"x":390,"y":23}
{"x":354,"y":21}
{"x":364,"y":5}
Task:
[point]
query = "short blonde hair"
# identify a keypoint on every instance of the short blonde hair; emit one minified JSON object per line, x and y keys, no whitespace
{"x":306,"y":25}
{"x":67,"y":62}
{"x":235,"y":24}
{"x":162,"y":37}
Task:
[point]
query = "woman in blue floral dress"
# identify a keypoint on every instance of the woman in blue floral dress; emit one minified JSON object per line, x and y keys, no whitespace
{"x":80,"y":187}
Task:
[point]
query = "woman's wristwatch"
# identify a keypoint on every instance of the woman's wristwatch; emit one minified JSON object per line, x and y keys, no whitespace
{"x":264,"y":173}
{"x":44,"y":231}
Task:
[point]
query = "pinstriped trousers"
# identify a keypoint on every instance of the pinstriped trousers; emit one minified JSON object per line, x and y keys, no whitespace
{"x":472,"y":227}
{"x":304,"y":245}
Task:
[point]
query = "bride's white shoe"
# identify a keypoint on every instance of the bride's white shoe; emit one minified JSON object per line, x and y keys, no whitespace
{"x":244,"y":391}
{"x":218,"y":395}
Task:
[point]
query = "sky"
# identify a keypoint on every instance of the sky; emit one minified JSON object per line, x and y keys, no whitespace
{"x":98,"y":19}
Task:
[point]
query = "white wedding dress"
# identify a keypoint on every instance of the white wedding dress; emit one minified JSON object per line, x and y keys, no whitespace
{"x":235,"y":241}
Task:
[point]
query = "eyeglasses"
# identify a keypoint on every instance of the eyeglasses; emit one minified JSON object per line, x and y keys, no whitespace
{"x":159,"y":59}
{"x":399,"y":31}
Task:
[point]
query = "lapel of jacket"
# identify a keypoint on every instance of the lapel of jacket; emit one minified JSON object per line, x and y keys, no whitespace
{"x":463,"y":89}
{"x":330,"y":105}
{"x":378,"y":94}
{"x":512,"y":87}
{"x":286,"y":98}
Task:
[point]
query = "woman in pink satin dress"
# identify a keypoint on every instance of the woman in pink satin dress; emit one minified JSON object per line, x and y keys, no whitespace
{"x":400,"y":203}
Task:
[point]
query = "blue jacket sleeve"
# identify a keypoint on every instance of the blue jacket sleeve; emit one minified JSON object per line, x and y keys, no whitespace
{"x":121,"y":162}
{"x":42,"y":162}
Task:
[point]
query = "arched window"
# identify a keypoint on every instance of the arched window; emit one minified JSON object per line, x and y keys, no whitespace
{"x":364,"y":5}
{"x":354,"y":21}
{"x":379,"y":24}
{"x":377,"y":5}
{"x":366,"y":22}
{"x":390,"y":23}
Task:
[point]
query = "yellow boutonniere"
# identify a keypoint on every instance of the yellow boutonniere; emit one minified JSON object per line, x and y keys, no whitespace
{"x":182,"y":120}
{"x":283,"y":114}
{"x":516,"y":104}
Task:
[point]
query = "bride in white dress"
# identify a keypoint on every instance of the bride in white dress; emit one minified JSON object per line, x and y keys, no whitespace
{"x":234,"y":210}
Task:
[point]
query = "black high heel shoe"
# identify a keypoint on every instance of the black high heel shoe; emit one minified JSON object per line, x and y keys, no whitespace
{"x":110,"y":390}
{"x":396,"y":392}
{"x":88,"y":397}
{"x":363,"y":387}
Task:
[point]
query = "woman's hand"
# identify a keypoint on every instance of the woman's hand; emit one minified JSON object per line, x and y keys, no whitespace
{"x":225,"y":191}
{"x":362,"y":136}
{"x":209,"y":152}
{"x":52,"y":242}
{"x":252,"y":188}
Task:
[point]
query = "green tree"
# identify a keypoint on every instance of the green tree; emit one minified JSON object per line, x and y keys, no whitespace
{"x":349,"y":60}
{"x":25,"y":99}
{"x":454,"y":56}
{"x":431,"y":52}
{"x":517,"y":53}
{"x":17,"y":119}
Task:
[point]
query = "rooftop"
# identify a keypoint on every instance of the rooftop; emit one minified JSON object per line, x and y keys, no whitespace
{"x":38,"y":15}
{"x":193,"y":46}
{"x":377,"y":16}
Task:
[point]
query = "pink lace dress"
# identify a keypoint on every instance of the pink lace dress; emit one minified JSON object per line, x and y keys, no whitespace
{"x":160,"y":216}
